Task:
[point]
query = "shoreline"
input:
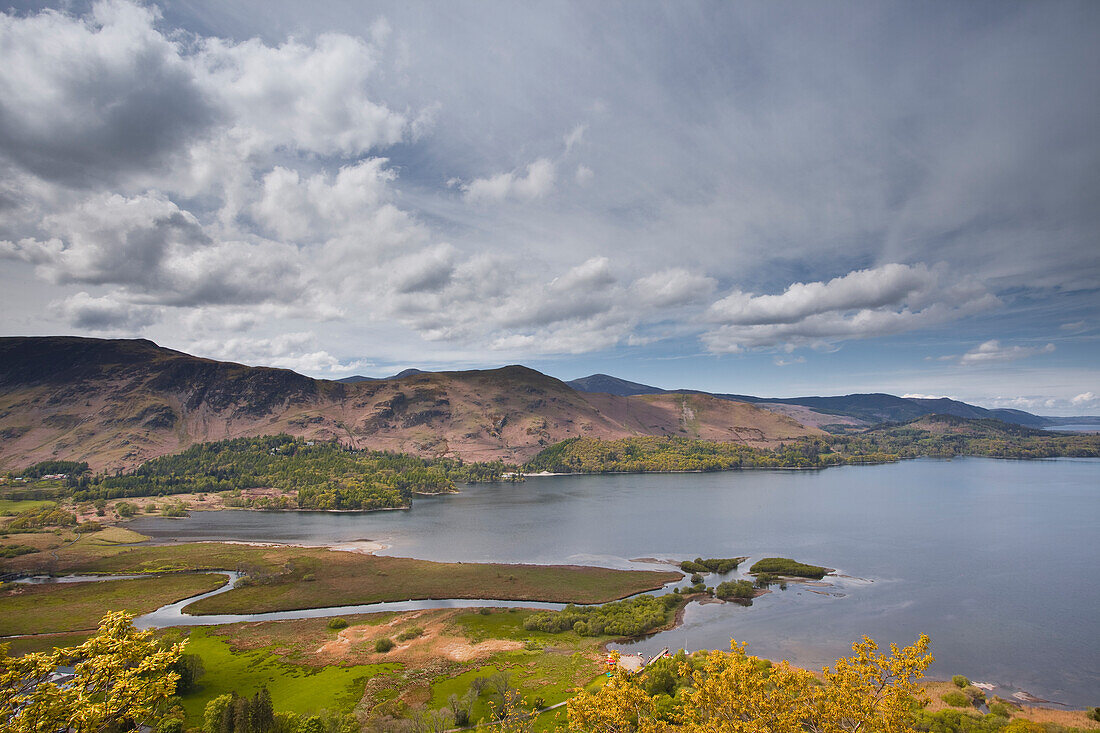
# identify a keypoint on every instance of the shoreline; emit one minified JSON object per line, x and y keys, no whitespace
{"x":1018,"y":697}
{"x":1022,"y":699}
{"x":215,"y":505}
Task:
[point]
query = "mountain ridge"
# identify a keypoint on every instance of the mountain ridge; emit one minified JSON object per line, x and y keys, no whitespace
{"x":116,"y":403}
{"x":870,"y":408}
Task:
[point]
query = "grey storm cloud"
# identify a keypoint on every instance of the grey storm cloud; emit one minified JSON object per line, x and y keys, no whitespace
{"x":103,"y":314}
{"x":82,"y":103}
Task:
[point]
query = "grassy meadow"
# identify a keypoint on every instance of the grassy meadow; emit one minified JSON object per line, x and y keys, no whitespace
{"x":60,"y":607}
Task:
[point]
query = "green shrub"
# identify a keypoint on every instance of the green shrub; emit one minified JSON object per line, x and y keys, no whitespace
{"x":169,"y":725}
{"x":720,"y":565}
{"x":410,"y":633}
{"x":337,"y":623}
{"x":485,"y":611}
{"x":974,"y":693}
{"x":763,"y":580}
{"x":631,"y":617}
{"x":960,"y":681}
{"x":175,"y":510}
{"x":787,"y":566}
{"x":734,"y":589}
{"x":1095,"y":714}
{"x":956,"y":699}
{"x":696,"y":578}
{"x":999,"y":708}
{"x":383,"y":645}
{"x":958,"y":721}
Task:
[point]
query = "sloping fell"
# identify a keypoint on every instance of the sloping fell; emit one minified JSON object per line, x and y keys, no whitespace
{"x":977,"y":427}
{"x":117,"y":403}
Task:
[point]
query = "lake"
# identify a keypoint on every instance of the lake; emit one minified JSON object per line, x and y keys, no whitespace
{"x":997,"y":560}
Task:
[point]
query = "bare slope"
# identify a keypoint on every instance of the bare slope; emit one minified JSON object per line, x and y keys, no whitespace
{"x":116,"y":403}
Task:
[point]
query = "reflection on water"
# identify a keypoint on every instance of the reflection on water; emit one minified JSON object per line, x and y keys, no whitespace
{"x":996,"y":560}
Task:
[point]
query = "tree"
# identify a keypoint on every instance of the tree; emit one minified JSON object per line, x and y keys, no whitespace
{"x":189,"y":667}
{"x":312,"y":724}
{"x":215,"y":713}
{"x":123,"y":679}
{"x":735,"y":693}
{"x":263,"y":712}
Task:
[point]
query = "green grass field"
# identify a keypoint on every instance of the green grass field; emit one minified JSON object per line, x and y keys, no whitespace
{"x":247,"y":655}
{"x":113,"y":536}
{"x":340,"y":579}
{"x":10,"y":508}
{"x":45,"y":643}
{"x":290,"y":578}
{"x":57,"y":607}
{"x":509,"y":625}
{"x":294,"y":688}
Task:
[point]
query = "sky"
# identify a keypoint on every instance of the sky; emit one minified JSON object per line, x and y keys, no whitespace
{"x":773,"y":198}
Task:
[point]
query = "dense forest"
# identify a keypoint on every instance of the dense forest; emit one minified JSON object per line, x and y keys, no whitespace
{"x":324,"y":475}
{"x":938,"y":436}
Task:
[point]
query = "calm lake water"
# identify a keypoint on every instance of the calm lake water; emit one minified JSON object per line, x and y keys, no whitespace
{"x":997,"y":560}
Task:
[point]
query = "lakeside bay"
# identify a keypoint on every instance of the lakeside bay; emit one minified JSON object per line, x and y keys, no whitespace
{"x":995,"y":559}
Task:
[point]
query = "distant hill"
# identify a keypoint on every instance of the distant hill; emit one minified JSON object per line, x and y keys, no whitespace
{"x":117,"y":403}
{"x":951,"y":435}
{"x":1090,"y":420}
{"x":607,"y":384}
{"x":400,"y":375}
{"x":864,"y":409}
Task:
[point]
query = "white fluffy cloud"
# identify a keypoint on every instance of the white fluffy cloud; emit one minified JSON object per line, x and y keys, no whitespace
{"x":672,"y":287}
{"x":319,"y":206}
{"x":885,"y":300}
{"x":888,"y":285}
{"x":235,"y":129}
{"x":992,"y":351}
{"x":297,"y":351}
{"x":302,"y":97}
{"x":1085,"y":399}
{"x":109,"y":238}
{"x":537,"y":182}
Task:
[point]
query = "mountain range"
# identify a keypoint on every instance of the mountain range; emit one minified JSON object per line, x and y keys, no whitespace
{"x":858,"y":409}
{"x":117,"y":403}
